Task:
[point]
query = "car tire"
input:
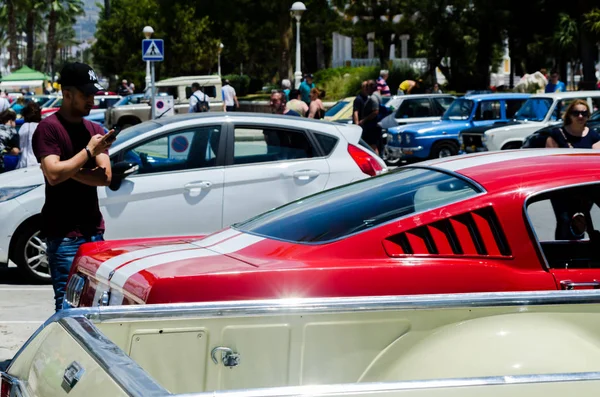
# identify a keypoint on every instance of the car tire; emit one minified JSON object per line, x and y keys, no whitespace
{"x":28,"y":245}
{"x":444,"y":149}
{"x":512,"y":145}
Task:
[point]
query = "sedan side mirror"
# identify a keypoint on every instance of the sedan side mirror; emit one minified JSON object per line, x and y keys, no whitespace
{"x":120,"y":171}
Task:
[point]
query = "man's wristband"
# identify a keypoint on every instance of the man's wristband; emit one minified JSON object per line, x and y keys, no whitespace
{"x":89,"y":153}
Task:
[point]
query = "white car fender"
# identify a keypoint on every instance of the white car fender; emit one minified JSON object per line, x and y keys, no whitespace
{"x":510,"y":344}
{"x":497,"y":138}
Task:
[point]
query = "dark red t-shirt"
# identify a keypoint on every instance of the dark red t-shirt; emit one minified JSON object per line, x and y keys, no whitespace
{"x":71,"y":208}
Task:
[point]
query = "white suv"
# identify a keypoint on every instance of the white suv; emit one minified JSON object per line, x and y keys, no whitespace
{"x":540,"y":110}
{"x":194,"y":174}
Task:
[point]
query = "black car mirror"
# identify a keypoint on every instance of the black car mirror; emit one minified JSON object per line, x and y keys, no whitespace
{"x":120,"y":171}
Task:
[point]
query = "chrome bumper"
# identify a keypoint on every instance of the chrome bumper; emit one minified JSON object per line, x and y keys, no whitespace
{"x":473,"y":149}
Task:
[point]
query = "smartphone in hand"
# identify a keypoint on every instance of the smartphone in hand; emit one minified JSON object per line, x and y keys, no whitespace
{"x":112,"y":134}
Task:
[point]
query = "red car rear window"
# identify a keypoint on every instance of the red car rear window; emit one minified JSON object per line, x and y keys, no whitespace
{"x":359,"y":206}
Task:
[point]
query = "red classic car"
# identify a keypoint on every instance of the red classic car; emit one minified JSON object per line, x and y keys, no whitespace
{"x":495,"y":221}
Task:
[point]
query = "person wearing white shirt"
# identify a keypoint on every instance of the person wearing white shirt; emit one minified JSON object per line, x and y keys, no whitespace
{"x":199,"y":101}
{"x":230,"y":101}
{"x":4,"y":104}
{"x":32,"y":115}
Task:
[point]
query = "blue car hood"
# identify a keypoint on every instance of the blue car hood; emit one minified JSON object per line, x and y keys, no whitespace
{"x":434,"y":126}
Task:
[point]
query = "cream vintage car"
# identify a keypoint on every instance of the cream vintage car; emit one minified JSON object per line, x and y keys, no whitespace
{"x":494,"y":344}
{"x":180,"y":88}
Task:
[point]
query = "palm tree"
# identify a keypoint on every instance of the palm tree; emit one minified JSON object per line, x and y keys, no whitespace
{"x":9,"y":16}
{"x":33,"y":20}
{"x":59,"y":10}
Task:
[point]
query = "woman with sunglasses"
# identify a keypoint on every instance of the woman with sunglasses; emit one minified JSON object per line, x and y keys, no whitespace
{"x":572,"y":213}
{"x":574,"y":133}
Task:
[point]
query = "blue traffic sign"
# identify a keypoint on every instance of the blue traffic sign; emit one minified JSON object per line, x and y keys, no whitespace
{"x":153,"y":50}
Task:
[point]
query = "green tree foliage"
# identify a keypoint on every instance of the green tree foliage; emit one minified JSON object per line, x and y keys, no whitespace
{"x":464,"y":38}
{"x":118,"y":48}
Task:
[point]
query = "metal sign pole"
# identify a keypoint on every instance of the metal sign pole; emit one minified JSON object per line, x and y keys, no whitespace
{"x":152,"y":100}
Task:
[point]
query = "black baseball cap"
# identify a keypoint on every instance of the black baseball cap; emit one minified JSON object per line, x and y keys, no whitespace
{"x":80,"y":76}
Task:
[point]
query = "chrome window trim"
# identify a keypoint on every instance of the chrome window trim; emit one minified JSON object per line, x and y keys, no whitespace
{"x":119,"y":366}
{"x":529,"y":224}
{"x":374,"y":387}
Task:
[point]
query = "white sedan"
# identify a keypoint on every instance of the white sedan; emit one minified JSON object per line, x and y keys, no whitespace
{"x":194,"y":174}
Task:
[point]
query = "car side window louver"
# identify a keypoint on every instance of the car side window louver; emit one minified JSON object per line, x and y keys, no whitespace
{"x":475,"y":233}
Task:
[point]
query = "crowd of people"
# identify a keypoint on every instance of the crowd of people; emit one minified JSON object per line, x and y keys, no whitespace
{"x":15,"y":147}
{"x":306,"y":101}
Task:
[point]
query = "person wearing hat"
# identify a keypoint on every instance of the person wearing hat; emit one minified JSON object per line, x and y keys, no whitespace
{"x":73,"y":153}
{"x":305,"y":88}
{"x":230,"y":101}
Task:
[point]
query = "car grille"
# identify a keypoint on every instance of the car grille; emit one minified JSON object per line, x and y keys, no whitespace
{"x":472,"y":140}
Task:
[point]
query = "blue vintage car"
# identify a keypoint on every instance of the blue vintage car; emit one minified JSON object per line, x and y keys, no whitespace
{"x":440,"y":138}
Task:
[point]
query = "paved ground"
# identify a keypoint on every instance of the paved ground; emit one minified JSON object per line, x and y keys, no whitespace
{"x":23,"y":308}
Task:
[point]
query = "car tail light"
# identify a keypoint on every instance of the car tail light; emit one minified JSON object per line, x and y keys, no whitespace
{"x":74,"y":290}
{"x":9,"y":386}
{"x":366,"y":162}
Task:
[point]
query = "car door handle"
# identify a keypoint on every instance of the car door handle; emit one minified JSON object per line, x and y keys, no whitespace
{"x":306,"y":174}
{"x":197,"y":185}
{"x":569,"y":285}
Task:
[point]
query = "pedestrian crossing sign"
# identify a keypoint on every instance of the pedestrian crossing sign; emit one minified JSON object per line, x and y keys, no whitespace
{"x":153,"y":50}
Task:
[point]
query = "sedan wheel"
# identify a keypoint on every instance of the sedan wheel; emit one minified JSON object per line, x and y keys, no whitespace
{"x":36,"y":257}
{"x":445,"y":152}
{"x":30,"y":254}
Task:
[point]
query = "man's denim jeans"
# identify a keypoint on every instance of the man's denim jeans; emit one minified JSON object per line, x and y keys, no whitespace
{"x":61,"y":252}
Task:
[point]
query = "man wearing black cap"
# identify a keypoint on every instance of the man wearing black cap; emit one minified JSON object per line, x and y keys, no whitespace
{"x":73,"y":153}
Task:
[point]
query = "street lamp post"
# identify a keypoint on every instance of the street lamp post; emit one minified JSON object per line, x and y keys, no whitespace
{"x":296,"y":10}
{"x":148,"y":34}
{"x":219,"y":59}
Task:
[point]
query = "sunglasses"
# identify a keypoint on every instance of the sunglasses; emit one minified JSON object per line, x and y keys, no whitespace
{"x":577,"y":113}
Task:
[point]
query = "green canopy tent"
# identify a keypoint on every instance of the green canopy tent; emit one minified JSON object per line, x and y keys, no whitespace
{"x":24,"y":77}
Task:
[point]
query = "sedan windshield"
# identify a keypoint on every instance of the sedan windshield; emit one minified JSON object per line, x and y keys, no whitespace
{"x":459,"y":110}
{"x":349,"y":209}
{"x":535,"y":109}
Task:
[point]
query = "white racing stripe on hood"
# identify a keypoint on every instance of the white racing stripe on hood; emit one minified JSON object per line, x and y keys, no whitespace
{"x":232,"y":245}
{"x":108,"y":266}
{"x":216,"y":238}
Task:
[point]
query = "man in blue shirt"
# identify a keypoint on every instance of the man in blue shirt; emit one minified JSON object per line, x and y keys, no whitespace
{"x":305,"y":88}
{"x":555,"y":85}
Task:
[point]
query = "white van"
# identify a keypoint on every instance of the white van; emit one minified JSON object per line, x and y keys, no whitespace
{"x":181,"y":90}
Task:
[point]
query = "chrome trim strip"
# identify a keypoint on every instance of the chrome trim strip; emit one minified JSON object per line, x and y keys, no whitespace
{"x":340,"y":389}
{"x":529,"y":224}
{"x":118,"y":365}
{"x":411,"y":148}
{"x":302,"y":306}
